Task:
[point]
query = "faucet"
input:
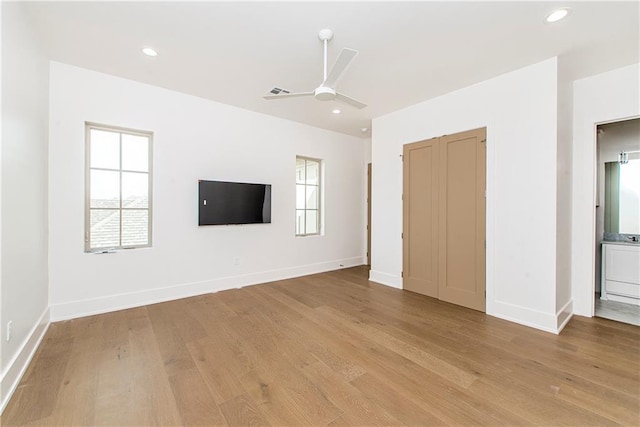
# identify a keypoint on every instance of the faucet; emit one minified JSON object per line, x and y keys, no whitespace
{"x":633,"y":238}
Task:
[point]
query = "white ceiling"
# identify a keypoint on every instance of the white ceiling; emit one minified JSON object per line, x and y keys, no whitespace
{"x":235,"y":52}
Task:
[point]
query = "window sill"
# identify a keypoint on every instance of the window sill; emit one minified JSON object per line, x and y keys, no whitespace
{"x":114,"y":250}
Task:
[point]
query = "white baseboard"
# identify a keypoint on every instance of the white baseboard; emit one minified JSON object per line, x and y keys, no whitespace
{"x":548,"y":322}
{"x":88,"y":307}
{"x":564,"y":315}
{"x":385,"y":279}
{"x":18,"y":365}
{"x":622,"y":298}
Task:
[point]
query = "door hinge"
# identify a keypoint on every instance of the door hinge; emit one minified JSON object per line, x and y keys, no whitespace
{"x":402,"y":235}
{"x":402,"y":274}
{"x":484,"y":141}
{"x":485,"y":244}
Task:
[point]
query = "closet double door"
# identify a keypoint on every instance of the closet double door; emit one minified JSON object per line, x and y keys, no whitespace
{"x":444,"y":198}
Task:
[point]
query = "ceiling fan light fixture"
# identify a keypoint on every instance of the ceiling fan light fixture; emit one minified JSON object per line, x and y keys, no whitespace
{"x":149,"y":51}
{"x":324,"y":93}
{"x":557,"y":15}
{"x":327,"y":89}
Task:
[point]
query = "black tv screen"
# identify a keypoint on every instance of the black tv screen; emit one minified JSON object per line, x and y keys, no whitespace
{"x":223,"y":203}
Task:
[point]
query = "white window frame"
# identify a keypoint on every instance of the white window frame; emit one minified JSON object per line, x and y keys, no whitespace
{"x":89,"y":126}
{"x":320,"y":197}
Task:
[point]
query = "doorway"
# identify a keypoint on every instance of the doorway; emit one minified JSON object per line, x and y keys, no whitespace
{"x":617,"y":237}
{"x":444,"y":190}
{"x":369,"y":214}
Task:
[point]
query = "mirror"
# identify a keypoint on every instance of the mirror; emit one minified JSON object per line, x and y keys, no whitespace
{"x":622,"y":197}
{"x":618,"y":190}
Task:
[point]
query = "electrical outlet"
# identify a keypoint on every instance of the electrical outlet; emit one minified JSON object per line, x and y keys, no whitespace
{"x":9,"y":329}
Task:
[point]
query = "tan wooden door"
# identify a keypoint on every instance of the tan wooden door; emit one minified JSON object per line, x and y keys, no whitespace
{"x":420,"y":217}
{"x":462,"y":214}
{"x":444,"y":218}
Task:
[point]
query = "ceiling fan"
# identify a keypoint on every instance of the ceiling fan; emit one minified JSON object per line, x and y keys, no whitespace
{"x":327,"y":90}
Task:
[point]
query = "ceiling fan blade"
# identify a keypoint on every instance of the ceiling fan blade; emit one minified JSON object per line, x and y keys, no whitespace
{"x":348,"y":100}
{"x":346,"y":56}
{"x":288,"y":95}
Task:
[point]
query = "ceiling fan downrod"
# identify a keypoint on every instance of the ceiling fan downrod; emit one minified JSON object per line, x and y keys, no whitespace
{"x":325,"y":35}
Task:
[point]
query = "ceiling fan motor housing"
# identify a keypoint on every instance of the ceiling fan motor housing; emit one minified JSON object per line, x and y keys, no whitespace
{"x":325,"y":93}
{"x":325,"y":34}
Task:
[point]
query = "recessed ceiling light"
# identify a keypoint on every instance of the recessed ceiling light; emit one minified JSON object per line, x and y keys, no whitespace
{"x":149,"y":52}
{"x":557,"y":15}
{"x":336,"y":111}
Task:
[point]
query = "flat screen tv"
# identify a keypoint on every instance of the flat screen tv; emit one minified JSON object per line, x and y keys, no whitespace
{"x":223,"y":203}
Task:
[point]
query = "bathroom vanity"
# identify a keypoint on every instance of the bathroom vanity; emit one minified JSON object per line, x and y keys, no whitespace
{"x":621,"y":272}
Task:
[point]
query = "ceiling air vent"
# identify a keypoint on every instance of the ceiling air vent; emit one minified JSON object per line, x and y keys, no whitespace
{"x":277,"y":91}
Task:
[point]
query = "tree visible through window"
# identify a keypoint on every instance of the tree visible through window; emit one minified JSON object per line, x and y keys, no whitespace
{"x":307,"y":196}
{"x":118,"y":196}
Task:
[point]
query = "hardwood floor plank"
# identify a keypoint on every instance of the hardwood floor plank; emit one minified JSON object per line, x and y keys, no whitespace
{"x":326,"y":349}
{"x":278,"y":407}
{"x":76,"y":398}
{"x":240,"y":411}
{"x":151,"y":394}
{"x":271,"y":363}
{"x":461,"y":377}
{"x":212,"y":363}
{"x":115,"y":383}
{"x":169,"y":339}
{"x":356,"y":408}
{"x":395,"y":402}
{"x":315,"y":344}
{"x":41,"y":383}
{"x":194,"y":401}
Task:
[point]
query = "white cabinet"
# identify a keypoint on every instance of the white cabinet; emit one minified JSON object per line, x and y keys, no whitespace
{"x":621,"y":272}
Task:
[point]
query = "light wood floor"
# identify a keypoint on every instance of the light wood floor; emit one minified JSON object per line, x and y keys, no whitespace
{"x":326,"y":349}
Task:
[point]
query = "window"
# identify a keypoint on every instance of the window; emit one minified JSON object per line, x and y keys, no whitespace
{"x":307,"y":196}
{"x":118,"y":192}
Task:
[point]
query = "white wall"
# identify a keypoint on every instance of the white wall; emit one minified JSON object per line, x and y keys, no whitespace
{"x":193,"y":139}
{"x":564,"y":304}
{"x":519,"y":110}
{"x":602,"y":98}
{"x":24,"y":195}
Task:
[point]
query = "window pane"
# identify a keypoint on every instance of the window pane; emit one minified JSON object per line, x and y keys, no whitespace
{"x":300,"y":197}
{"x":312,"y":222}
{"x":135,"y":153}
{"x":105,"y":189}
{"x":135,"y":227}
{"x":105,"y":228}
{"x":300,"y":171}
{"x":299,"y":222}
{"x":105,"y":149}
{"x":313,"y":172}
{"x":135,"y":190}
{"x":312,"y":197}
